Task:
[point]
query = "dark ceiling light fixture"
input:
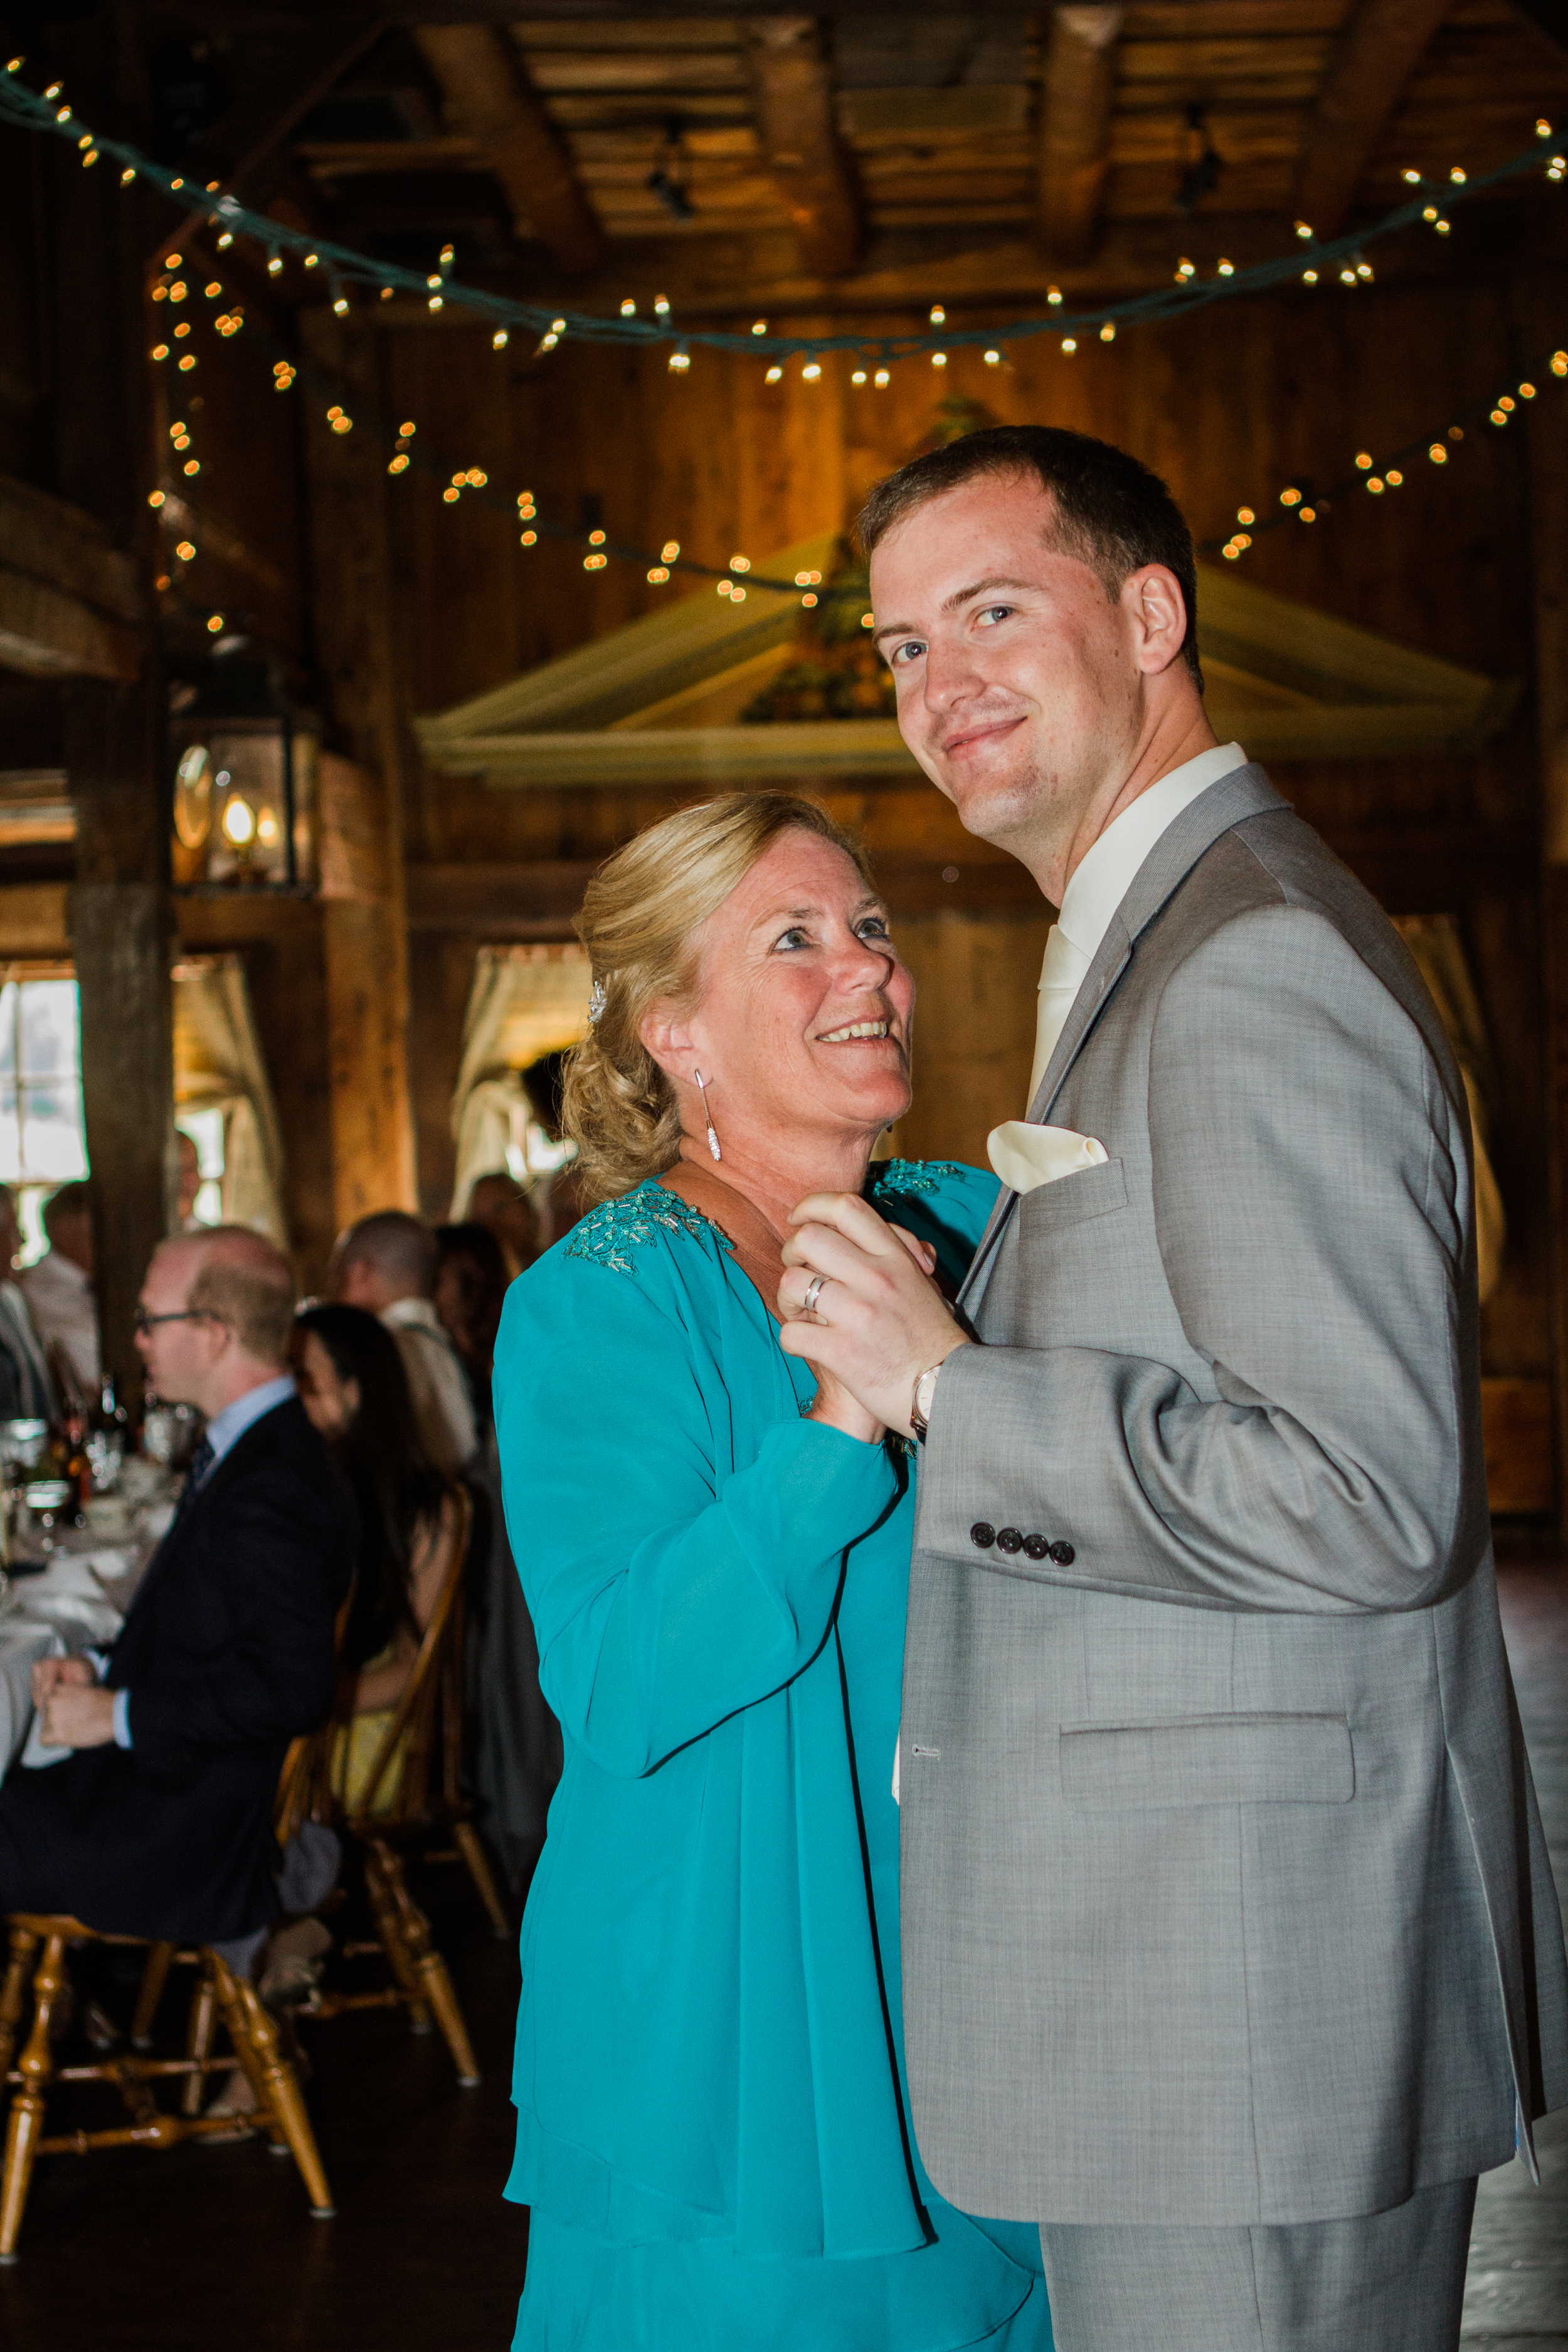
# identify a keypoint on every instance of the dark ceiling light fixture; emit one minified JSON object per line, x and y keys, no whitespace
{"x":1203,"y":165}
{"x":671,"y":170}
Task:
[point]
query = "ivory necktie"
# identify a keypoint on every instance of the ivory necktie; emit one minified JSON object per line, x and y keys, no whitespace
{"x":1061,"y":976}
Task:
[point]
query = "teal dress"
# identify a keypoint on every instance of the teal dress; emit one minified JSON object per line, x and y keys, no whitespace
{"x":713,"y":2118}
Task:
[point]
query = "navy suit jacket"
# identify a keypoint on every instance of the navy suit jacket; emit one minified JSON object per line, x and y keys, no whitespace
{"x":228,"y":1655}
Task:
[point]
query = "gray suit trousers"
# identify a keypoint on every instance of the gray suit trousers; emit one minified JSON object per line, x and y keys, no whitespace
{"x":1390,"y":2282}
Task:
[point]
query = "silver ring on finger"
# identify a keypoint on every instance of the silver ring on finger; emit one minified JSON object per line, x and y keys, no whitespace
{"x":813,"y":1291}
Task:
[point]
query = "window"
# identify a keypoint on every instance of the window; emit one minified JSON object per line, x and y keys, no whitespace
{"x":42,"y":1141}
{"x":205,"y":1129}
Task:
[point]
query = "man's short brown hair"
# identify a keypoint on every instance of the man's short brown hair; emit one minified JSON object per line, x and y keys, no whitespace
{"x":1111,"y":512}
{"x":244,"y":1281}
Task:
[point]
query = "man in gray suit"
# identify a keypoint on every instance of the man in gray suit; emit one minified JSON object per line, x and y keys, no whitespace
{"x":1231,"y":1951}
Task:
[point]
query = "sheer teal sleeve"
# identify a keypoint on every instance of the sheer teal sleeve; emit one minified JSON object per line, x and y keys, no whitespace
{"x":941,"y":1200}
{"x":664,"y":1596}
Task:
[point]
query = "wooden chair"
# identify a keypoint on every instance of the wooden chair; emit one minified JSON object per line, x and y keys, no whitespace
{"x":418,"y":1764}
{"x":38,"y":1944}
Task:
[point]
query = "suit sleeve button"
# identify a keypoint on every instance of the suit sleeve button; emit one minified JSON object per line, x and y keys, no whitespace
{"x":1009,"y":1540}
{"x":984,"y":1534}
{"x":1036,"y":1547}
{"x":1063,"y":1554}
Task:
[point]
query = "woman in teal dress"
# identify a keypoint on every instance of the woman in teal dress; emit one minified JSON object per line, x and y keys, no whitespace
{"x":714,"y":2129}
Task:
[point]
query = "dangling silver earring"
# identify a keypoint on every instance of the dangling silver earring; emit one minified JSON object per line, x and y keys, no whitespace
{"x":712,"y":1130}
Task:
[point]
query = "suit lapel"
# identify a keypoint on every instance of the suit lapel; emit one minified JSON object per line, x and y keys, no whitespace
{"x":1245,"y":792}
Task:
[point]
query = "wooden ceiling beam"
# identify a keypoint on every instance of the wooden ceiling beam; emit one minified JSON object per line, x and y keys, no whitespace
{"x":792,"y":94}
{"x":491,"y":100}
{"x":1077,"y":83}
{"x":1378,"y":49}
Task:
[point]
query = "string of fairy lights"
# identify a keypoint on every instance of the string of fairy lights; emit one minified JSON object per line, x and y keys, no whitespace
{"x":349,"y":271}
{"x":1341,"y":262}
{"x":1377,"y":477}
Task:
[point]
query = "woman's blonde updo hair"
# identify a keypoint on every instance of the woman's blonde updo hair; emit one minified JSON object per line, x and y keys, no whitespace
{"x":640,"y":920}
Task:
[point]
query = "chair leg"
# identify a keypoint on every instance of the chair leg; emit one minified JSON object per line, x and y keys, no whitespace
{"x":25,"y":2127}
{"x":389,"y":1928}
{"x":199,"y":2041}
{"x":13,"y":1993}
{"x":429,"y":1967}
{"x":154,"y":1977}
{"x":256,"y":2042}
{"x":477,"y":1861}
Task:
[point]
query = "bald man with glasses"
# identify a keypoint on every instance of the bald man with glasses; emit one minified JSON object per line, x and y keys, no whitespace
{"x":157,"y":1820}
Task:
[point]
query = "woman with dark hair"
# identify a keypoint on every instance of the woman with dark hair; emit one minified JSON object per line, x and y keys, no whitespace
{"x":471,"y":1283}
{"x":353,"y":1385}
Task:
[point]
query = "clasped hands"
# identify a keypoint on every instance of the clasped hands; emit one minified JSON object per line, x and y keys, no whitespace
{"x":74,"y":1709}
{"x":876,"y":1320}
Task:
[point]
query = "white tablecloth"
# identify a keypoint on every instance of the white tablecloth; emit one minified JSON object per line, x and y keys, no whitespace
{"x":20,"y":1642}
{"x":47,"y":1616}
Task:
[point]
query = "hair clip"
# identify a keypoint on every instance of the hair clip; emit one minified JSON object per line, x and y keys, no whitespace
{"x":595,"y":1002}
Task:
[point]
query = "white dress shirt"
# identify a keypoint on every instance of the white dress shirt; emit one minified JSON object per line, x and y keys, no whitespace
{"x":442,"y":1405}
{"x":65,"y":1313}
{"x":1102,"y":881}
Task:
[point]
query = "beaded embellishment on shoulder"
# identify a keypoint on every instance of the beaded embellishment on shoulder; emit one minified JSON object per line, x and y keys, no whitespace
{"x":889,"y":1178}
{"x":610,"y":1234}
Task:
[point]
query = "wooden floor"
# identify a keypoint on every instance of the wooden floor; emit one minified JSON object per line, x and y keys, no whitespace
{"x":211,"y":2249}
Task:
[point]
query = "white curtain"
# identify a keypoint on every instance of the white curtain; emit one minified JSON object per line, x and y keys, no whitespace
{"x":218,"y":1066}
{"x":524,"y":1002}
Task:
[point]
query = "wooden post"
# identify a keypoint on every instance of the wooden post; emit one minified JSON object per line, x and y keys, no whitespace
{"x":121,"y":921}
{"x":365,"y":928}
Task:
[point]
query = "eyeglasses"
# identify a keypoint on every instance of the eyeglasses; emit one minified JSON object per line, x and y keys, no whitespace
{"x":141,"y":1321}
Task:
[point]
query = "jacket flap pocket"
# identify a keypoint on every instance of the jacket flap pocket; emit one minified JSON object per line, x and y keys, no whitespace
{"x":1208,"y":1759}
{"x":1087,"y":1192}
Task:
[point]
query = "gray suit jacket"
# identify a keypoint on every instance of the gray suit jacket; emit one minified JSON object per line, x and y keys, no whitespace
{"x":1225,"y":1895}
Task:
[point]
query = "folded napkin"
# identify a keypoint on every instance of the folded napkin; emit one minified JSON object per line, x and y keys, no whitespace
{"x":1025,"y":1156}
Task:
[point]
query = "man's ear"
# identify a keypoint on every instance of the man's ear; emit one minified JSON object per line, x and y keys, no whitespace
{"x":1153,"y":599}
{"x":666,"y":1034}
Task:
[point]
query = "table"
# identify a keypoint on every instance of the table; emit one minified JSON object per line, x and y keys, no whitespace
{"x":22,"y":1642}
{"x":50,"y":1616}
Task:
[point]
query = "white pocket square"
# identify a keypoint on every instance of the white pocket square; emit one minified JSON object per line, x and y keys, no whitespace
{"x":1026,"y":1156}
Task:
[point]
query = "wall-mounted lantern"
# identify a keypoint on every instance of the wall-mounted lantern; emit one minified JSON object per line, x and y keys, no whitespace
{"x":245,"y":765}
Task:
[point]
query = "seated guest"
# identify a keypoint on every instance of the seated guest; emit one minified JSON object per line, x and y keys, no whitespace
{"x":386,"y":1264}
{"x":353,"y":1387}
{"x":498,"y":1202}
{"x":59,"y":1288}
{"x":26,"y":1391}
{"x":159,"y":1823}
{"x":471,"y":1283}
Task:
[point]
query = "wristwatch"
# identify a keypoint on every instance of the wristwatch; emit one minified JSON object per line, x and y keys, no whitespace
{"x":921,"y":1401}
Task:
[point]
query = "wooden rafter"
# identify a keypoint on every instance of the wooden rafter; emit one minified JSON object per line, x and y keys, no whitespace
{"x":1077,"y":85}
{"x":492,"y":101}
{"x":1378,"y":50}
{"x":792,"y":93}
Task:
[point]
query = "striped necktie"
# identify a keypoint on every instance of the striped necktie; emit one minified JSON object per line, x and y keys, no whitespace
{"x":1061,"y":977}
{"x":201,"y":1460}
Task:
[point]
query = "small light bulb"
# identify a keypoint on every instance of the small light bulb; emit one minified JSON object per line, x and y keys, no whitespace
{"x":1108,"y":332}
{"x":811,"y":371}
{"x":939,"y":359}
{"x":500,"y":340}
{"x":858,"y":376}
{"x":1245,"y":514}
{"x":992,"y":359}
{"x":938,"y":315}
{"x":773,"y":375}
{"x":759,"y":326}
{"x":882,"y":379}
{"x":238,"y":817}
